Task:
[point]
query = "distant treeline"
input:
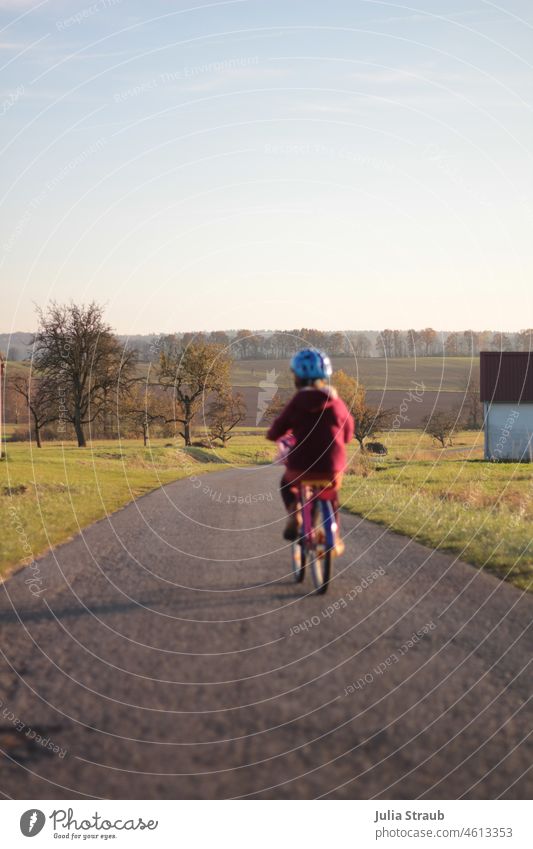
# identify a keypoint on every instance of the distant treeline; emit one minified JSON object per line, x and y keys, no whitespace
{"x":281,"y":344}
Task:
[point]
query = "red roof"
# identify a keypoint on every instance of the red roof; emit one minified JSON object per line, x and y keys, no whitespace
{"x":506,"y":377}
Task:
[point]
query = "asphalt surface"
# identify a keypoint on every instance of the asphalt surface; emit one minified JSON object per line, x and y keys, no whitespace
{"x":161,"y":654}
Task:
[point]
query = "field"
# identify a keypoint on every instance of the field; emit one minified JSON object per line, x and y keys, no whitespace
{"x":438,"y":374}
{"x":439,"y":383}
{"x":447,"y":499}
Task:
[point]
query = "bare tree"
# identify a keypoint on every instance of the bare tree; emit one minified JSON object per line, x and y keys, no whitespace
{"x":219,"y":337}
{"x":471,"y":342}
{"x":41,"y":400}
{"x":145,"y":405}
{"x":246,"y":344}
{"x":225,"y":412}
{"x":451,"y":346}
{"x":369,"y":421}
{"x":14,"y":404}
{"x":501,"y":342}
{"x":77,"y":351}
{"x":428,"y":336}
{"x":192,"y":373}
{"x":525,"y":340}
{"x":361,"y":345}
{"x":412,"y":340}
{"x":472,"y":405}
{"x":440,"y":425}
{"x":385,"y":343}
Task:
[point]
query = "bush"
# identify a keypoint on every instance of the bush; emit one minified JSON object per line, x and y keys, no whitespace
{"x":376,"y":448}
{"x":359,"y":465}
{"x":19,"y":489}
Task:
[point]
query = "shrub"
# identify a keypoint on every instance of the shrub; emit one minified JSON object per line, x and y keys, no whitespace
{"x":376,"y":448}
{"x":18,"y":489}
{"x":359,"y":465}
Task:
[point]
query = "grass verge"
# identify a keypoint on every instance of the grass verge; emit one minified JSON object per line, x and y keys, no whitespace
{"x":48,"y":494}
{"x":452,"y":501}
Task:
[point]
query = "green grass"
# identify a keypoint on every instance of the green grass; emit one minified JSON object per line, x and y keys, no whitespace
{"x":456,"y":502}
{"x":48,"y":494}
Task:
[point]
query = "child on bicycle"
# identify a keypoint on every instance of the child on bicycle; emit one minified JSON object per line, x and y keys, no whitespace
{"x":320,"y":425}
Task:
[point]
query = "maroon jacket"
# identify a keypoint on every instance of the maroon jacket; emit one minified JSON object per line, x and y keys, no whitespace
{"x":321,"y":425}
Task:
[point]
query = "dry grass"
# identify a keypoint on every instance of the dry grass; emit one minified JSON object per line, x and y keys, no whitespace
{"x":481,"y":511}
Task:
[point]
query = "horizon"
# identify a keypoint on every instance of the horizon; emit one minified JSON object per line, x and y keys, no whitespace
{"x":388,"y":343}
{"x":258,"y":330}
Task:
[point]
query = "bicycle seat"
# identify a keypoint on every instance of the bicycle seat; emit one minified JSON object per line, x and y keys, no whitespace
{"x":324,"y":490}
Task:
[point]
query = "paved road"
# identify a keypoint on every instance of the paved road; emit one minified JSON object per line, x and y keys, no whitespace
{"x":162,"y":658}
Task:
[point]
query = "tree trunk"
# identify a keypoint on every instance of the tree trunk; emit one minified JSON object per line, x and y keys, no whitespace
{"x":145,"y":436}
{"x":78,"y":427}
{"x":37,"y":430}
{"x":187,"y":431}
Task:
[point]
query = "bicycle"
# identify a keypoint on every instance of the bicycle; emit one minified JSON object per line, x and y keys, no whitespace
{"x":316,"y":544}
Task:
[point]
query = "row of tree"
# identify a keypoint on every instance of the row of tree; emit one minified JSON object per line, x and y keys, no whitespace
{"x":82,"y":376}
{"x":468,"y":343}
{"x":281,"y":344}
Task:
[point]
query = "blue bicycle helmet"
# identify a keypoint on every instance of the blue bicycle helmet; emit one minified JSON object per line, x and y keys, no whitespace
{"x":311,"y":364}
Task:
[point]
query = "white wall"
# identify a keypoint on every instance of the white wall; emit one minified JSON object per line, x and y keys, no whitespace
{"x":508,"y":431}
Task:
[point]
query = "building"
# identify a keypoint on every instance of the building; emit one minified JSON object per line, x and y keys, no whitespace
{"x":2,"y":401}
{"x":506,"y":390}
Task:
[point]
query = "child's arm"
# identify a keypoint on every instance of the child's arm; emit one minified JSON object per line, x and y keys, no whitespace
{"x":282,"y":424}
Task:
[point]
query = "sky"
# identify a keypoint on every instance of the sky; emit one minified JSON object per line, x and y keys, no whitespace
{"x":346,"y":164}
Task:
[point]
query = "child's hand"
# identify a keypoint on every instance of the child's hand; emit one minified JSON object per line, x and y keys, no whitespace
{"x":285,"y":446}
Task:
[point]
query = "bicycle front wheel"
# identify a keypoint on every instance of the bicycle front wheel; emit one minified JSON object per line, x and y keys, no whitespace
{"x":298,"y":561}
{"x":321,"y":561}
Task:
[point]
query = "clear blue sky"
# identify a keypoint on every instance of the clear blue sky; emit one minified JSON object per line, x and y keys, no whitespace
{"x":268,"y":163}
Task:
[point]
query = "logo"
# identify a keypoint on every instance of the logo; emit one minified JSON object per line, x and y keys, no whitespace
{"x":268,"y":389}
{"x":32,"y":822}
